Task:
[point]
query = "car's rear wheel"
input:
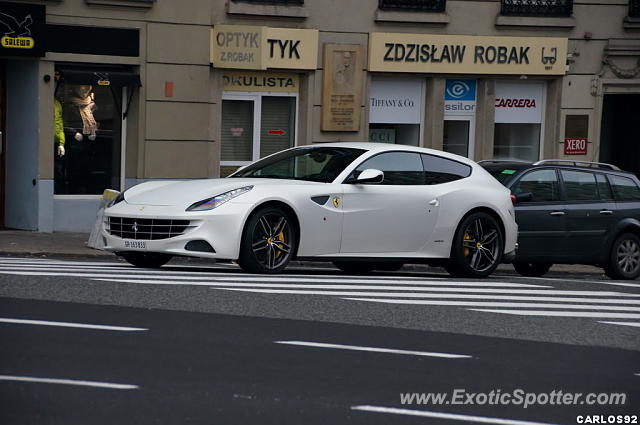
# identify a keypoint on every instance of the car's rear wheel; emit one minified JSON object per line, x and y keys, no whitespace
{"x":624,"y":258}
{"x":268,"y":242}
{"x":477,"y":247}
{"x":151,"y":260}
{"x":532,"y":269}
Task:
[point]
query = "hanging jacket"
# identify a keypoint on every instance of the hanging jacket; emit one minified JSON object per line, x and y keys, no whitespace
{"x":58,"y":132}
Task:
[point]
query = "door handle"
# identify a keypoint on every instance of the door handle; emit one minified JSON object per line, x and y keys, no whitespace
{"x":556,"y":213}
{"x":434,"y":203}
{"x":606,"y":212}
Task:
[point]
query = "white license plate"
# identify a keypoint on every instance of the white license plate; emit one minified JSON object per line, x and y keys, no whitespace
{"x":135,"y":244}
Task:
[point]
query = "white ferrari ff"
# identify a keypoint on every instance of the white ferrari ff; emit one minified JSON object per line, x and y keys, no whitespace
{"x":363,"y":206}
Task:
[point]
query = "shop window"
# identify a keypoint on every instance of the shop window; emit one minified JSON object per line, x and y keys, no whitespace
{"x":87,"y":139}
{"x":255,"y":126}
{"x":456,"y":137}
{"x":395,"y":110}
{"x":459,"y":117}
{"x":519,"y":116}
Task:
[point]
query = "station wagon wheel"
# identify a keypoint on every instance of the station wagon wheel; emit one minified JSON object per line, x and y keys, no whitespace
{"x":624,"y":258}
{"x":268,"y":241}
{"x":477,"y":247}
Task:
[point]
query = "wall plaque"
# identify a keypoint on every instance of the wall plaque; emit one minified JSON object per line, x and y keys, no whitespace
{"x":342,"y":87}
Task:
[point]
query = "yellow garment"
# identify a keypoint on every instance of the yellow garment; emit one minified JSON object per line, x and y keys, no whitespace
{"x":58,"y":133}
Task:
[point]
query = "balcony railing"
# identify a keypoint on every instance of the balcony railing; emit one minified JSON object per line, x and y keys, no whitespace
{"x":280,"y":2}
{"x":413,"y":5}
{"x":634,"y":8}
{"x":543,"y":8}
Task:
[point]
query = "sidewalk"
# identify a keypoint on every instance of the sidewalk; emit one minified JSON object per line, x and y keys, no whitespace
{"x":63,"y":244}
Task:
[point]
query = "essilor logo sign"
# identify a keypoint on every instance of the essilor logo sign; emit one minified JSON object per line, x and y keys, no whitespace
{"x":458,"y":89}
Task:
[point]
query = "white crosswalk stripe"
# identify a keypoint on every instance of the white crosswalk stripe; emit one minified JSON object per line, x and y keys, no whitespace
{"x":486,"y":296}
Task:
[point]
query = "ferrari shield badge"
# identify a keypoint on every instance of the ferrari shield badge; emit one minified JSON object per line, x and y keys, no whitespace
{"x":336,"y":201}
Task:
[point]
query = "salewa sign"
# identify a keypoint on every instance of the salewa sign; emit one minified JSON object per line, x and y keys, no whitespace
{"x":247,"y":47}
{"x":21,"y":27}
{"x":463,"y":54}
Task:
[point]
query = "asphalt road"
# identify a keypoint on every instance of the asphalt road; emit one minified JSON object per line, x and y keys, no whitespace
{"x":91,"y":342}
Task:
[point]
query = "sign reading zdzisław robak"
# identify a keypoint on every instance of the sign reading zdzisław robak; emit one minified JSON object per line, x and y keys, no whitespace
{"x":21,"y":29}
{"x":465,"y":54}
{"x":250,"y":47}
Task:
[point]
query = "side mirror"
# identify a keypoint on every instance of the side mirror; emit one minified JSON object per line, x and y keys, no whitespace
{"x":370,"y":175}
{"x":524,"y":197}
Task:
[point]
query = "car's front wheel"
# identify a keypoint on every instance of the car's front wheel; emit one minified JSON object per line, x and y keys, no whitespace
{"x":151,"y":260}
{"x":268,"y":242}
{"x":477,"y":247}
{"x":532,"y":269}
{"x":624,"y":258}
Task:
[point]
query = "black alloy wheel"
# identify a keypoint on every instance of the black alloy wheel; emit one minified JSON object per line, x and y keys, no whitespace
{"x":624,"y":258}
{"x":150,"y":260}
{"x":477,"y":247}
{"x":532,"y":269}
{"x":268,"y":241}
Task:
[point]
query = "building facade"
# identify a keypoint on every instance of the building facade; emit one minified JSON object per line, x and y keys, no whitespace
{"x":98,"y":94}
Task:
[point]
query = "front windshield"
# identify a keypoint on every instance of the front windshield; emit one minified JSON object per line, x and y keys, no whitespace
{"x":317,"y":164}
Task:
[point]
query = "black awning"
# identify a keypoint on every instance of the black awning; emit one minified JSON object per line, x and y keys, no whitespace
{"x":100,"y":77}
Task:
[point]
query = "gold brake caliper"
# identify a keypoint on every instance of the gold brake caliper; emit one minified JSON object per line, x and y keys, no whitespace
{"x":280,"y":238}
{"x":466,"y":250}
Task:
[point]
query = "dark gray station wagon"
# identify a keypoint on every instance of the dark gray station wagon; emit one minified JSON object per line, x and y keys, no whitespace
{"x":573,"y":213}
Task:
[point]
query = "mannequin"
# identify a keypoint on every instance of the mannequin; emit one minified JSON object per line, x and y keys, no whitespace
{"x":82,"y":98}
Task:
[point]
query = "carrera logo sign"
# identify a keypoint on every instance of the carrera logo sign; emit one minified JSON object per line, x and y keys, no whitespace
{"x":515,"y":103}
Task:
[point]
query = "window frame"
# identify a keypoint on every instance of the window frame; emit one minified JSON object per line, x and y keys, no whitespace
{"x":256,"y":97}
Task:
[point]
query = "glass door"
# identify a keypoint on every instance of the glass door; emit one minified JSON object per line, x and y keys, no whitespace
{"x":459,"y":135}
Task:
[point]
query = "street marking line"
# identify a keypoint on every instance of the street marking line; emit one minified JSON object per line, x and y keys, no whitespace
{"x":477,"y":290}
{"x":583,"y":301}
{"x":69,"y":382}
{"x":230,"y":284}
{"x":70,"y":325}
{"x":562,"y":314}
{"x":604,"y":282}
{"x":374,"y":349}
{"x":514,"y":305}
{"x":441,"y":415}
{"x":633,"y":324}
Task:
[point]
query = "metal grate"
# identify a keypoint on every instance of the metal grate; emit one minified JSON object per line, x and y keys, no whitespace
{"x":542,"y":8}
{"x":634,"y":8}
{"x":145,"y":228}
{"x":413,"y":5}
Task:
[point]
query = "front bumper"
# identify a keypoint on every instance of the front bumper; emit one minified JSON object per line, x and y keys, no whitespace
{"x":220,"y":228}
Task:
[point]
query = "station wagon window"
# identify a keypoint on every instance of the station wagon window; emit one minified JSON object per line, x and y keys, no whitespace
{"x":625,"y":188}
{"x":543,"y":184}
{"x":580,"y":185}
{"x":604,"y":190}
{"x":399,"y":168}
{"x":442,"y":170}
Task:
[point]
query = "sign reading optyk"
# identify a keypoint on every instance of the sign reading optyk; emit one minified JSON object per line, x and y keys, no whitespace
{"x":249,"y":47}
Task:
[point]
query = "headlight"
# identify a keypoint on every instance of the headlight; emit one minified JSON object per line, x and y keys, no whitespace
{"x":116,"y":200}
{"x":216,"y":201}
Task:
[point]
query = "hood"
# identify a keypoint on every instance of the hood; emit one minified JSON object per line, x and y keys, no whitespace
{"x":187,"y":192}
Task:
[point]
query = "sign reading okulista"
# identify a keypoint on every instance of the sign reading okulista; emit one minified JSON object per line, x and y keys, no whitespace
{"x":464,"y":54}
{"x":249,"y":47}
{"x":261,"y":81}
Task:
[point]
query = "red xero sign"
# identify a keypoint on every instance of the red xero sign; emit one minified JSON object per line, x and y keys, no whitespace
{"x":575,"y":146}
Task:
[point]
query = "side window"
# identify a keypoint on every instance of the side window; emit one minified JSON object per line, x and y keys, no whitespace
{"x":580,"y":185}
{"x":625,"y":188}
{"x":442,"y":170}
{"x":399,"y":168}
{"x":543,"y":184}
{"x":604,"y":189}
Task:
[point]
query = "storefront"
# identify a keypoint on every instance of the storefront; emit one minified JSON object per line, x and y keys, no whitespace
{"x":259,"y":106}
{"x":503,"y":80}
